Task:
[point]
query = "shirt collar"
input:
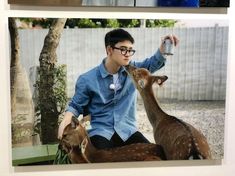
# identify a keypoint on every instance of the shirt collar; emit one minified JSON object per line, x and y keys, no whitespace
{"x":104,"y":73}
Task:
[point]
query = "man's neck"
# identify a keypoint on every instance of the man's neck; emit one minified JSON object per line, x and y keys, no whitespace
{"x":111,"y":66}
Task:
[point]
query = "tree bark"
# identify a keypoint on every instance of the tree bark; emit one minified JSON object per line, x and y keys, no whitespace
{"x":47,"y":103}
{"x":15,"y":59}
{"x":22,"y":109}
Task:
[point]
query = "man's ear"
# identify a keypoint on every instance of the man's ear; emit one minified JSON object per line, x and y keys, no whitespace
{"x":109,"y":50}
{"x":159,"y":79}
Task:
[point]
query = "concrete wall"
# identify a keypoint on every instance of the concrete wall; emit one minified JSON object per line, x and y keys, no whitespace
{"x":197,"y":71}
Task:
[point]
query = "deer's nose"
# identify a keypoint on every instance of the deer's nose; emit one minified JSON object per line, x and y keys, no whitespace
{"x":127,"y":67}
{"x":130,"y":67}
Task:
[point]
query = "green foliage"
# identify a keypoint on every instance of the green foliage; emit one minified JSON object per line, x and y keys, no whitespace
{"x":112,"y":23}
{"x":59,"y":94}
{"x":100,"y":23}
{"x":87,"y":23}
{"x":60,"y":87}
{"x":129,"y":23}
{"x":43,"y":22}
{"x":61,"y":157}
{"x":160,"y":23}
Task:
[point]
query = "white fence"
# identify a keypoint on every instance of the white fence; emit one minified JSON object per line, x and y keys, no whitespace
{"x":197,"y":71}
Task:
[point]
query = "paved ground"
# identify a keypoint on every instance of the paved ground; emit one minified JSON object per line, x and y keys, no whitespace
{"x":207,"y":116}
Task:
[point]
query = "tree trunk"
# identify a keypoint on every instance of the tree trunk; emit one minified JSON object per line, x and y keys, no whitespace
{"x":47,"y":102}
{"x":22,"y":109}
{"x":15,"y":57}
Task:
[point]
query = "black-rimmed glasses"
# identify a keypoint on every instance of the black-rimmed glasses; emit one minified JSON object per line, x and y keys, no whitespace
{"x":124,"y":51}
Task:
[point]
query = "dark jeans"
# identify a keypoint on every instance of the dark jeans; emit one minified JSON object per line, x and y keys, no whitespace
{"x":102,"y":143}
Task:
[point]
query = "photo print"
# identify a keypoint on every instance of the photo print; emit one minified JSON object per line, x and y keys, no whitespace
{"x":126,"y":3}
{"x":135,"y":97}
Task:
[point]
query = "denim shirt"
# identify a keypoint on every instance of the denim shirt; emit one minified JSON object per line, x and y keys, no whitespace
{"x":110,"y":110}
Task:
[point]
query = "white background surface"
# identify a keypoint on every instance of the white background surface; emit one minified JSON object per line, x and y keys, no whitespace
{"x":227,"y":168}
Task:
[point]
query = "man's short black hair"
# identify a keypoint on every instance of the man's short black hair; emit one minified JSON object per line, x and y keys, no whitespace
{"x":117,"y":35}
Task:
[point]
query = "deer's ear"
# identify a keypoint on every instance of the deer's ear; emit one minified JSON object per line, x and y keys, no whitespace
{"x":159,"y":79}
{"x":88,"y":125}
{"x":83,"y":145}
{"x":85,"y":122}
{"x":87,"y":118}
{"x":141,"y":83}
{"x":74,"y":122}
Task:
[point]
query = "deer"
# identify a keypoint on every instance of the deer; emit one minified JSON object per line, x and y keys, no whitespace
{"x":180,"y":140}
{"x":77,"y":144}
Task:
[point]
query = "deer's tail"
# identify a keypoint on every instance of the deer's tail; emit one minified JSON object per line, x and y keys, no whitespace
{"x":195,"y":153}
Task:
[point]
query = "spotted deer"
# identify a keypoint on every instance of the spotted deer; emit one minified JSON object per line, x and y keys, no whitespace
{"x":77,"y":144}
{"x":180,"y":140}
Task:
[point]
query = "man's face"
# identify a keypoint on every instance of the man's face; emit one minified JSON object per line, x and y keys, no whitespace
{"x":121,"y":52}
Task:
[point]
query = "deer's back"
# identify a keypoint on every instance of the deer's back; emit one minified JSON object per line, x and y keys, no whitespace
{"x":181,"y":140}
{"x":132,"y":152}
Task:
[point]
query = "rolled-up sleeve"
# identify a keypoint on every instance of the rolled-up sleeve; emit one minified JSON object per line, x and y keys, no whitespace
{"x":152,"y":63}
{"x":80,"y":98}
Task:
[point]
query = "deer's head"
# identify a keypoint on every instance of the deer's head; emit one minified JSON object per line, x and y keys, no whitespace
{"x":75,"y":133}
{"x":142,"y":77}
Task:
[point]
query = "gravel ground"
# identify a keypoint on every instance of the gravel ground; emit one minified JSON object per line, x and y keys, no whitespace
{"x":207,"y":116}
